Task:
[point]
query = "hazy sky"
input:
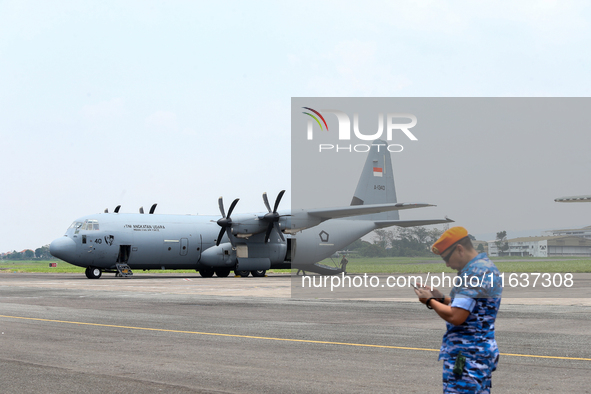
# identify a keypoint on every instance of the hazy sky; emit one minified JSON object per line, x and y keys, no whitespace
{"x":136,"y":102}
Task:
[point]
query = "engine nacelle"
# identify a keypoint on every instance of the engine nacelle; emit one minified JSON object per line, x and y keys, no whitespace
{"x":222,"y":256}
{"x":274,"y":251}
{"x":260,"y":255}
{"x":248,"y":225}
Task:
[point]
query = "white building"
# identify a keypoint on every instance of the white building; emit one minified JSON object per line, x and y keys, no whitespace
{"x":544,"y":246}
{"x":584,"y":232}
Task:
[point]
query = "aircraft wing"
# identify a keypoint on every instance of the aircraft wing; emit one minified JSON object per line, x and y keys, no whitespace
{"x":410,"y":223}
{"x":356,"y":210}
{"x":574,"y":199}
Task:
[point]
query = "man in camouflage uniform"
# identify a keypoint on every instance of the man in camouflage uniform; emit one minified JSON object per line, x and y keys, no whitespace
{"x":469,"y":350}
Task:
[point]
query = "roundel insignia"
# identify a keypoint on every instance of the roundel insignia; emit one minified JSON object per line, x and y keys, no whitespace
{"x":323,"y":236}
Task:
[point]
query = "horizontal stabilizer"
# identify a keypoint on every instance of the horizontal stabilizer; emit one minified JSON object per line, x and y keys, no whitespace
{"x":410,"y":223}
{"x":355,"y":210}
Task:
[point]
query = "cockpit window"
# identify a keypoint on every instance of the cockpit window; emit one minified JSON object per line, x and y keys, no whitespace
{"x":90,"y":224}
{"x":76,"y":225}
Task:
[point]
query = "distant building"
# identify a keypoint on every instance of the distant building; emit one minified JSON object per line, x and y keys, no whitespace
{"x":545,"y":246}
{"x":584,"y":232}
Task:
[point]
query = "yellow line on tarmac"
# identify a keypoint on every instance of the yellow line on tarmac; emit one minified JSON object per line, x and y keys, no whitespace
{"x":273,"y":339}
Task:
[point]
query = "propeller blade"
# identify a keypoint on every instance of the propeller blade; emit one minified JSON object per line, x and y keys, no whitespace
{"x":232,"y":206}
{"x":268,"y":233}
{"x":273,"y":217}
{"x":278,"y":200}
{"x":106,"y":210}
{"x":266,"y":201}
{"x":220,"y":235}
{"x":117,"y":208}
{"x":226,"y":221}
{"x":278,"y":229}
{"x":153,"y":209}
{"x":142,"y":210}
{"x":221,"y":205}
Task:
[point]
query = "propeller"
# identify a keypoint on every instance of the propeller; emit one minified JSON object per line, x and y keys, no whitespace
{"x":225,"y":222}
{"x":153,"y":209}
{"x":273,"y":217}
{"x":142,"y":210}
{"x":116,"y":209}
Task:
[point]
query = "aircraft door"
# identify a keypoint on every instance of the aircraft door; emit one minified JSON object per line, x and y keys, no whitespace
{"x":184,"y":246}
{"x":124,"y":252}
{"x":291,"y":242}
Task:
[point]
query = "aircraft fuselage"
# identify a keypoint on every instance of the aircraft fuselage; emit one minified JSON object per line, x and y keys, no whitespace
{"x":141,"y":241}
{"x":148,"y":242}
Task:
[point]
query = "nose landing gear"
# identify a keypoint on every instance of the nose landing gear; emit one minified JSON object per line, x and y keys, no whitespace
{"x":93,"y":273}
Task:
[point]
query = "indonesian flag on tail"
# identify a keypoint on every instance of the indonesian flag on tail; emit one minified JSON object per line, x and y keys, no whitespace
{"x":377,"y":171}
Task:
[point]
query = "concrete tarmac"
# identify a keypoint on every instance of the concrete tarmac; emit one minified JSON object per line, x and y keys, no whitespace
{"x":63,"y":333}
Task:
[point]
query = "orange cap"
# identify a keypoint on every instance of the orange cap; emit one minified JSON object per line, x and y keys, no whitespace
{"x":449,"y":238}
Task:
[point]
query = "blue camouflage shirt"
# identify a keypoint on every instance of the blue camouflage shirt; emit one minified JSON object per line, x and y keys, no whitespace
{"x":480,"y":294}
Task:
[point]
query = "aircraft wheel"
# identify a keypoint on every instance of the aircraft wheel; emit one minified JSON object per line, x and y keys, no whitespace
{"x":206,"y":272}
{"x":222,"y":272}
{"x":243,"y":274}
{"x":93,"y":273}
{"x":258,"y":273}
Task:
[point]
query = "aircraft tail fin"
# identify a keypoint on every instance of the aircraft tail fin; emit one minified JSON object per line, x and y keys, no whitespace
{"x":376,"y":183}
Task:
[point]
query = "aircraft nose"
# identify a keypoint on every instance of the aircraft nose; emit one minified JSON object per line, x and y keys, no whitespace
{"x":63,"y":248}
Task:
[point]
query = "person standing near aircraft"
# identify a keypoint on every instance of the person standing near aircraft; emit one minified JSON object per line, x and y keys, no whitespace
{"x":469,"y":350}
{"x":344,"y":263}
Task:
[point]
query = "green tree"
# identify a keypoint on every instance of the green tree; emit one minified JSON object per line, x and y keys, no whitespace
{"x":42,"y":253}
{"x":501,"y":242}
{"x":373,"y":250}
{"x":383,"y":238}
{"x":15,"y":255}
{"x":405,"y":242}
{"x":357,"y":245}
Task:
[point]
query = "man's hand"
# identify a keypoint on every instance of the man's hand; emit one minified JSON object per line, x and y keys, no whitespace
{"x":455,"y":316}
{"x":436,"y":293}
{"x":423,"y":293}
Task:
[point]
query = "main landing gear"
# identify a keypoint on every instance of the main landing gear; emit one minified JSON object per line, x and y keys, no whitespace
{"x":255,"y":273}
{"x":207,"y":272}
{"x":93,"y":273}
{"x":258,"y":273}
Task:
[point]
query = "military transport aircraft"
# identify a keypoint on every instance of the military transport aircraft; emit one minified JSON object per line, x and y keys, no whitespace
{"x":246,"y":243}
